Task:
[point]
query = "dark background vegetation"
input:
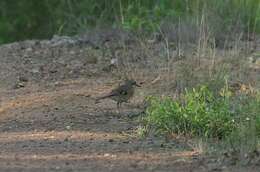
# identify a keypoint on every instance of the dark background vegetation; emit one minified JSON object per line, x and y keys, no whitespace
{"x":32,"y":19}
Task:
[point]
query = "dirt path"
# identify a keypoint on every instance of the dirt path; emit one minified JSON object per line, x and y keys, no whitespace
{"x":49,"y":121}
{"x":64,"y":130}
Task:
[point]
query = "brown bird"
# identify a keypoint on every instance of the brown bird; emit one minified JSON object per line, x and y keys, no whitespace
{"x":122,"y":93}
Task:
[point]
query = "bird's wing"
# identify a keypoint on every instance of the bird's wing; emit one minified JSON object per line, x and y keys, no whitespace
{"x":122,"y":90}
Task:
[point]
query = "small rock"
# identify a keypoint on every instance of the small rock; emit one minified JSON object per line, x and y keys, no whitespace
{"x":68,"y":127}
{"x":57,"y":83}
{"x":110,"y":140}
{"x":109,"y":155}
{"x":35,"y":70}
{"x":57,"y":167}
{"x":29,"y":49}
{"x":72,"y":52}
{"x":19,"y":85}
{"x":114,"y":61}
{"x":23,"y":79}
{"x":53,"y":71}
{"x":25,"y":146}
{"x":106,"y":155}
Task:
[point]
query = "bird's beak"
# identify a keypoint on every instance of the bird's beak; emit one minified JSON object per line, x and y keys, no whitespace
{"x":137,"y":85}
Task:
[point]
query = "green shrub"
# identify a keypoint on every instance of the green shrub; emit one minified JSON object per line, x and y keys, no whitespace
{"x":201,"y":113}
{"x":198,"y":113}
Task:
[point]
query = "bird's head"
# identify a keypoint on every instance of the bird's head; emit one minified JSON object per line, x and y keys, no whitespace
{"x":132,"y":82}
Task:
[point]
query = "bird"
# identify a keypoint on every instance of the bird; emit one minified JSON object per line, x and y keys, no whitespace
{"x":122,"y":93}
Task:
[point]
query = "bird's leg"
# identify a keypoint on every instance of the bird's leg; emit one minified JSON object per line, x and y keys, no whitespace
{"x":118,"y":107}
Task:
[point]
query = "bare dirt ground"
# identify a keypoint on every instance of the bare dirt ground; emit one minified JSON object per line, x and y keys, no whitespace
{"x":49,"y":120}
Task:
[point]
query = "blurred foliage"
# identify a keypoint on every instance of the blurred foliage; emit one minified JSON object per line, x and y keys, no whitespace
{"x":28,"y":19}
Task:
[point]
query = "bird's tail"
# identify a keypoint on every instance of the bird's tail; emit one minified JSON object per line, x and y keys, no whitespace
{"x":102,"y":97}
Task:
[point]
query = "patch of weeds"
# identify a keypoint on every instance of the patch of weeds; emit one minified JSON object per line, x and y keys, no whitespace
{"x":226,"y":122}
{"x":197,"y":113}
{"x":246,"y":135}
{"x":202,"y":113}
{"x":141,"y":131}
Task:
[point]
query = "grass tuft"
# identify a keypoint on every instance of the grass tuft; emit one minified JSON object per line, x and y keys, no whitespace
{"x":201,"y":113}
